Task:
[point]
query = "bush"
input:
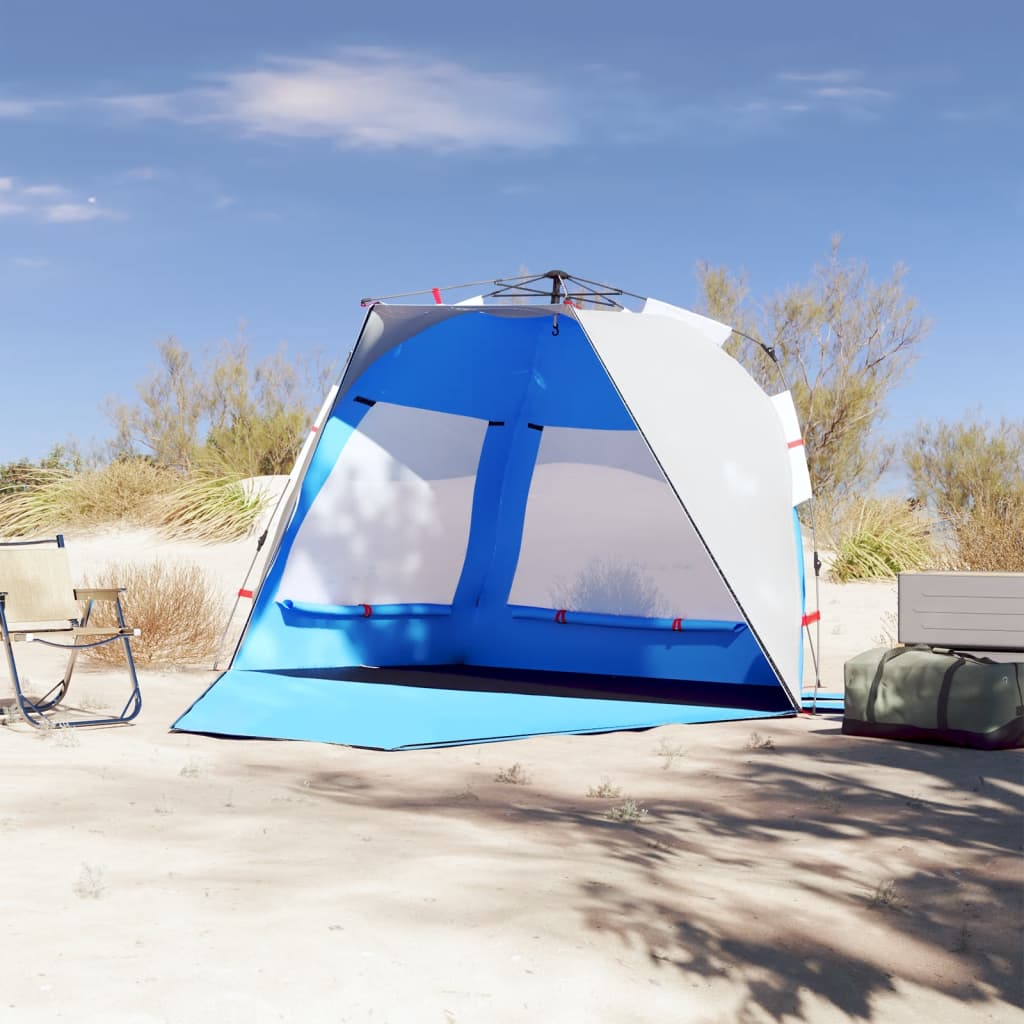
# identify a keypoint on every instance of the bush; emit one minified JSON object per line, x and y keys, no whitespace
{"x":990,"y":537}
{"x":175,"y":606}
{"x":955,"y":466}
{"x":883,"y":537}
{"x":972,"y":475}
{"x":253,"y":417}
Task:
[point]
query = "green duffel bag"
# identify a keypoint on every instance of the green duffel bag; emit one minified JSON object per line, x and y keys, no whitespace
{"x":918,"y":693}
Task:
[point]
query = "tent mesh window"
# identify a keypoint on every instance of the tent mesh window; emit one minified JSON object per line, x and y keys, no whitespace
{"x":605,"y":533}
{"x":391,"y":523}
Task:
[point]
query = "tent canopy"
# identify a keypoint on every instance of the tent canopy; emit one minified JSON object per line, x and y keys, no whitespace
{"x":600,"y":497}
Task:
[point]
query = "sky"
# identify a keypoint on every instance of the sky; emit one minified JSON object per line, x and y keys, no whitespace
{"x":201,"y":169}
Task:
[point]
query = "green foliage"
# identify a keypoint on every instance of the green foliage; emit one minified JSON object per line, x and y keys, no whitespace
{"x":249,"y":418}
{"x":955,"y":466}
{"x":972,"y":475}
{"x":21,"y":474}
{"x":172,"y":406}
{"x":883,"y":537}
{"x":843,"y":342}
{"x":260,"y":415}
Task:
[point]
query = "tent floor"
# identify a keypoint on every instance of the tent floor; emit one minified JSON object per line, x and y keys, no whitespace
{"x":402,"y":707}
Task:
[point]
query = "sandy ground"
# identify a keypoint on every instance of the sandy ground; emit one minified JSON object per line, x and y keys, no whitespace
{"x":799,"y":875}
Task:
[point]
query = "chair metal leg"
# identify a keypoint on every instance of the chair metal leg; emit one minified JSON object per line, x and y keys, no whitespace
{"x":33,"y":711}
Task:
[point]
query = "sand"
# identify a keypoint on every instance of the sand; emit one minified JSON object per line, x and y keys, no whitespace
{"x":797,"y":876}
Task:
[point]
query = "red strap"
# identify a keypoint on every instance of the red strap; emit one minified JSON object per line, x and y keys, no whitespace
{"x":677,"y":625}
{"x":798,"y":443}
{"x":245,"y":593}
{"x":810,"y":617}
{"x":314,"y":429}
{"x":436,"y":292}
{"x":560,"y":616}
{"x":367,"y":610}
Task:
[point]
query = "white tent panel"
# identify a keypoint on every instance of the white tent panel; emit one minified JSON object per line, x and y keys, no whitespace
{"x":721,"y":445}
{"x":604,"y":533}
{"x":711,"y":329}
{"x":786,"y":411}
{"x":391,"y":522}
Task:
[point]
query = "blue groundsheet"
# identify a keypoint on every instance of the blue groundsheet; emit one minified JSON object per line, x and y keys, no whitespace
{"x":407,"y":708}
{"x":826,"y":702}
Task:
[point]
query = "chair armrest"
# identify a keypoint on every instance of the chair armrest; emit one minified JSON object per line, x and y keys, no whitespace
{"x":98,"y":593}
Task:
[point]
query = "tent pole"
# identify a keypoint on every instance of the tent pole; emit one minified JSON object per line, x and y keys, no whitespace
{"x":556,"y":285}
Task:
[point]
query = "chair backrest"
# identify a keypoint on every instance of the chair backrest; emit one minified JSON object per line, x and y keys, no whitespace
{"x":38,"y":584}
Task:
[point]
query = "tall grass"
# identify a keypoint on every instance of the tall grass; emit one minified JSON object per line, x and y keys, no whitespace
{"x":129,"y":492}
{"x":53,"y":499}
{"x":208,"y":508}
{"x":175,"y":606}
{"x":881,"y":537}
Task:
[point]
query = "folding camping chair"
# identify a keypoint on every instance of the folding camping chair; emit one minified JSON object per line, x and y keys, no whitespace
{"x":39,"y":605}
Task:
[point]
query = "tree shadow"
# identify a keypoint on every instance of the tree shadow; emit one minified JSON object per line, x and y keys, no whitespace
{"x":772,"y":890}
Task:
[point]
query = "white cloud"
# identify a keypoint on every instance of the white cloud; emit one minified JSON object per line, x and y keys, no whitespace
{"x":18,"y":108}
{"x":837,"y":76}
{"x":369,"y":98}
{"x":140,"y":174}
{"x":44,"y":191}
{"x":851,"y":92}
{"x":30,"y":263}
{"x":50,"y":203}
{"x":71,"y":213}
{"x":840,"y":90}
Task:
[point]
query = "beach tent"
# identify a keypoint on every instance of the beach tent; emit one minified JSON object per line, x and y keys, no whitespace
{"x":515,"y":519}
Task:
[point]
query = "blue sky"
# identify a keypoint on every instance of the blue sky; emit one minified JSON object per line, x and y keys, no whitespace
{"x":177,"y":169}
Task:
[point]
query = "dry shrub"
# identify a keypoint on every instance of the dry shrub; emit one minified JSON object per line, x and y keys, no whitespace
{"x":883,"y":537}
{"x":990,"y":538}
{"x":174,"y":605}
{"x":54,"y":499}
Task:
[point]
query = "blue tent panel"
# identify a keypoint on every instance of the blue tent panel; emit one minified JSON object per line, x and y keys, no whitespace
{"x":387,"y":716}
{"x":834,"y":701}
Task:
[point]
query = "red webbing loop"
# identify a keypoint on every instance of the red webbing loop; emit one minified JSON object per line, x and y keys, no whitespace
{"x":436,"y":292}
{"x":798,"y":443}
{"x":367,"y":610}
{"x":245,"y":593}
{"x":560,"y":616}
{"x":677,"y":625}
{"x":810,"y":617}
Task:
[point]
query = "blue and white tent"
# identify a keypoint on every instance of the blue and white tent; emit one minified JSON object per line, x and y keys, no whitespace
{"x":518,"y":519}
